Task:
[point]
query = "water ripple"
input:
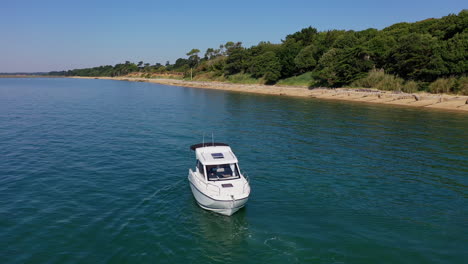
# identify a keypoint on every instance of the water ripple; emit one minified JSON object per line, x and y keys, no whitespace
{"x":95,"y":171}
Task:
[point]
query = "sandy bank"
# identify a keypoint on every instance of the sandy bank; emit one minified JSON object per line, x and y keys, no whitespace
{"x":446,"y":102}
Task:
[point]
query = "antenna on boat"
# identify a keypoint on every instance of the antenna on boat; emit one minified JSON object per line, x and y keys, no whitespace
{"x":203,"y":144}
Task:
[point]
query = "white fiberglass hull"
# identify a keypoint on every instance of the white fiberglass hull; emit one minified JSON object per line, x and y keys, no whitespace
{"x":224,"y":207}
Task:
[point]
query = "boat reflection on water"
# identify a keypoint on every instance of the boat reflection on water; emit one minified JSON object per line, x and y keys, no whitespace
{"x":223,"y":238}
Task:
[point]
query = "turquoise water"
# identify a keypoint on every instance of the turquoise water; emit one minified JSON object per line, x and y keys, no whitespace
{"x":94,"y":171}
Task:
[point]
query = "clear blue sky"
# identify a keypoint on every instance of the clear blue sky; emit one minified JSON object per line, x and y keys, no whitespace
{"x":61,"y":34}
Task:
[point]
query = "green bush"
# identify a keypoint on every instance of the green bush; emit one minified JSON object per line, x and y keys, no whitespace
{"x":390,"y":83}
{"x":462,"y":87}
{"x":443,"y":85}
{"x":373,"y":78}
{"x":410,"y":87}
{"x":380,"y":80}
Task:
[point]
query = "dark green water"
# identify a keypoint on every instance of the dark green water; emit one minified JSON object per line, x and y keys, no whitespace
{"x":94,"y":171}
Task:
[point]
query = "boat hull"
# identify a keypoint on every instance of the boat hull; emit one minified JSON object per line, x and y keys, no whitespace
{"x":224,"y":207}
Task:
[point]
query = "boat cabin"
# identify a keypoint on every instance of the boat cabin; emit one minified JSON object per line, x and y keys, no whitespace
{"x":216,"y":162}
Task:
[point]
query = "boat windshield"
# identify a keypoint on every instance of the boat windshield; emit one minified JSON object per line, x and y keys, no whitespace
{"x":222,"y":172}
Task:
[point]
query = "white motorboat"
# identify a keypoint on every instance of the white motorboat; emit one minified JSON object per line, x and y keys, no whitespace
{"x":217,"y":183}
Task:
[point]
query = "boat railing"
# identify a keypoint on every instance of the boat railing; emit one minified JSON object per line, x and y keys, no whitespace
{"x":246,"y":176}
{"x":246,"y":184}
{"x":247,"y":181}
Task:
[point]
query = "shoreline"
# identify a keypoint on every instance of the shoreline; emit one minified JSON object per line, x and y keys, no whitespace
{"x":423,"y":100}
{"x":28,"y":76}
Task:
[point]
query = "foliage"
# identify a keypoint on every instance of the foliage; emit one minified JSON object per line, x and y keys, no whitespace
{"x":243,"y":78}
{"x":371,"y":80}
{"x":266,"y":66}
{"x":410,"y":87}
{"x":193,"y":58}
{"x":340,"y":67}
{"x":215,"y":65}
{"x":462,"y":87}
{"x":412,"y":55}
{"x":390,"y":83}
{"x":380,"y":80}
{"x":286,"y":55}
{"x":454,"y":54}
{"x":210,"y":76}
{"x":306,"y":36}
{"x":443,"y":85}
{"x":236,"y":57}
{"x":305,"y":60}
{"x":325,"y":72}
{"x":301,"y":80}
{"x":430,"y":54}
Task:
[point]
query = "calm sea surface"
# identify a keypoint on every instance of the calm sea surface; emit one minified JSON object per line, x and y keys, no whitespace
{"x":95,"y":171}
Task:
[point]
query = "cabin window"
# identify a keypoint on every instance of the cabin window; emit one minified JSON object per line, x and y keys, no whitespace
{"x":200,"y":168}
{"x":222,"y":172}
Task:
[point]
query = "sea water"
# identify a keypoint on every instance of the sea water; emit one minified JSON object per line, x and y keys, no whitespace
{"x":95,"y":171}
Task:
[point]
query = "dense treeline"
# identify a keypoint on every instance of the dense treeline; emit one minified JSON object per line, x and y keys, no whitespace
{"x":409,"y":56}
{"x":120,"y":69}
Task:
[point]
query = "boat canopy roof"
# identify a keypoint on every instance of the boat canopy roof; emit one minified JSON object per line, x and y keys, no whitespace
{"x":210,"y":144}
{"x":214,"y":154}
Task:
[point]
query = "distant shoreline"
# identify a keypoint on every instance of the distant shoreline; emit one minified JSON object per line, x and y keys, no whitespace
{"x":423,"y":100}
{"x":28,"y":76}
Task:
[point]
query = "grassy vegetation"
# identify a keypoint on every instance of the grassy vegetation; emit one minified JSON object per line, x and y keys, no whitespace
{"x":378,"y":79}
{"x":442,"y":85}
{"x":243,"y":78}
{"x":390,"y":83}
{"x":240,"y":78}
{"x":163,"y":76}
{"x":209,"y":77}
{"x":463,"y":85}
{"x":410,"y":87}
{"x":450,"y":85}
{"x":371,"y":80}
{"x":301,"y":80}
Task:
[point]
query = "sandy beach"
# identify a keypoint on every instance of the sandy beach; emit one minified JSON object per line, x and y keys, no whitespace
{"x":426,"y":100}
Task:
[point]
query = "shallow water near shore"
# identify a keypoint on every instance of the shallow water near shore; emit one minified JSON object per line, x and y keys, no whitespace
{"x":95,"y":171}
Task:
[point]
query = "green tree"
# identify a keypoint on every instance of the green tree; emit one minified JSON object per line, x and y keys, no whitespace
{"x":418,"y":52}
{"x":147,"y":67}
{"x":181,"y":64}
{"x":193,"y":58}
{"x":306,"y":36}
{"x":454,"y":54}
{"x":236,"y":57}
{"x":412,"y":55}
{"x":353,"y":64}
{"x":346,"y":40}
{"x":326,"y":74}
{"x":379,"y":49}
{"x":266,"y":66}
{"x":305,"y":60}
{"x":209,"y":54}
{"x":340,"y":67}
{"x":286,"y":54}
